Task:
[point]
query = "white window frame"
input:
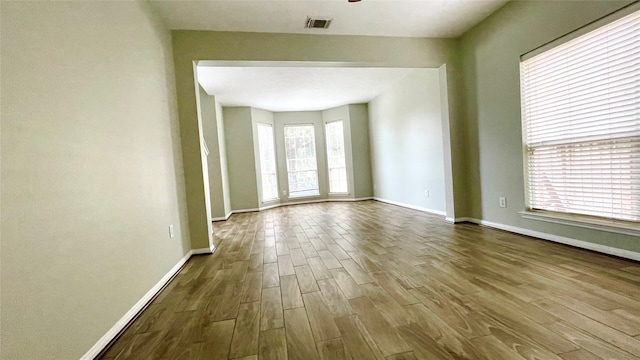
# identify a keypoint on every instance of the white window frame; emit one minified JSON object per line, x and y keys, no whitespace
{"x":286,"y":159}
{"x":275,"y":173}
{"x":591,"y":222}
{"x":346,"y":167}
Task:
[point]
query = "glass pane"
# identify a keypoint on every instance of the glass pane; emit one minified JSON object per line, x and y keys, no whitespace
{"x":267,"y":162}
{"x":338,"y":180}
{"x":336,"y":157}
{"x":300,"y":150}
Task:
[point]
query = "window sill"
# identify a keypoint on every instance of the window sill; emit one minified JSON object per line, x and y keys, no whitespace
{"x":620,"y":227}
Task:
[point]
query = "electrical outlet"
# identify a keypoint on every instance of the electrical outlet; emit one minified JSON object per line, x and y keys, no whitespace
{"x":503,"y":202}
{"x":426,"y":193}
{"x":284,"y":192}
{"x":171,"y":232}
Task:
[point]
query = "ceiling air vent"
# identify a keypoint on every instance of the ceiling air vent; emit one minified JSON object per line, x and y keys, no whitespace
{"x":317,"y":23}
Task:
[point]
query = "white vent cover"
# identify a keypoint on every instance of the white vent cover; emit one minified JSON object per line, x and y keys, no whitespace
{"x":317,"y":22}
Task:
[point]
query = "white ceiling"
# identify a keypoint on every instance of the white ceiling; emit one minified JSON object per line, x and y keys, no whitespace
{"x":408,"y":18}
{"x":316,"y":88}
{"x":297,"y":88}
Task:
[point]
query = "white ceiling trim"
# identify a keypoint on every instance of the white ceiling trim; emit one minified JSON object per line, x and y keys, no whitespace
{"x":286,"y":88}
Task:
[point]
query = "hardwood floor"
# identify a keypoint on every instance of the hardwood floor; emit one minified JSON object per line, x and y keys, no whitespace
{"x":368,"y":280}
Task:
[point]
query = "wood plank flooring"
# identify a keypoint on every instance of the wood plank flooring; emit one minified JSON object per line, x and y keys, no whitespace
{"x":368,"y":280}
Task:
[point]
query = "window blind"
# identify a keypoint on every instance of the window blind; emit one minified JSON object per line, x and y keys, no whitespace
{"x":581,"y":121}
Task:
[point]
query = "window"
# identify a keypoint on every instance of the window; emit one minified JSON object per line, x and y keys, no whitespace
{"x":581,"y":120}
{"x":267,"y":163}
{"x":335,"y":157}
{"x":302,"y":167}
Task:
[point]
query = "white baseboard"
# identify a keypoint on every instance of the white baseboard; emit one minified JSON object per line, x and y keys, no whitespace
{"x":221,"y":218}
{"x":243,"y":211}
{"x":287,"y":204}
{"x":627,"y":254}
{"x":208,"y":250}
{"x":431,"y":211}
{"x":134,"y":311}
{"x":269,"y":207}
{"x":226,"y":217}
{"x":356,"y":199}
{"x":294,"y":203}
{"x":459,"y":220}
{"x":315,"y":201}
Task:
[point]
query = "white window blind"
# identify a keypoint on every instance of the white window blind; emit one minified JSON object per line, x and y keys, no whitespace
{"x":581,"y":119}
{"x":267,"y":162}
{"x":335,"y":157}
{"x":302,"y":166}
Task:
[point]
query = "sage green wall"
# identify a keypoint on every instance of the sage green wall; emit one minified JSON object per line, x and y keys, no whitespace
{"x":407,"y":155}
{"x":91,"y":171}
{"x":238,"y":47}
{"x":362,"y":181}
{"x":209,"y":118}
{"x":490,"y":58}
{"x":224,"y":168}
{"x":238,"y":133}
{"x":202,"y":241}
